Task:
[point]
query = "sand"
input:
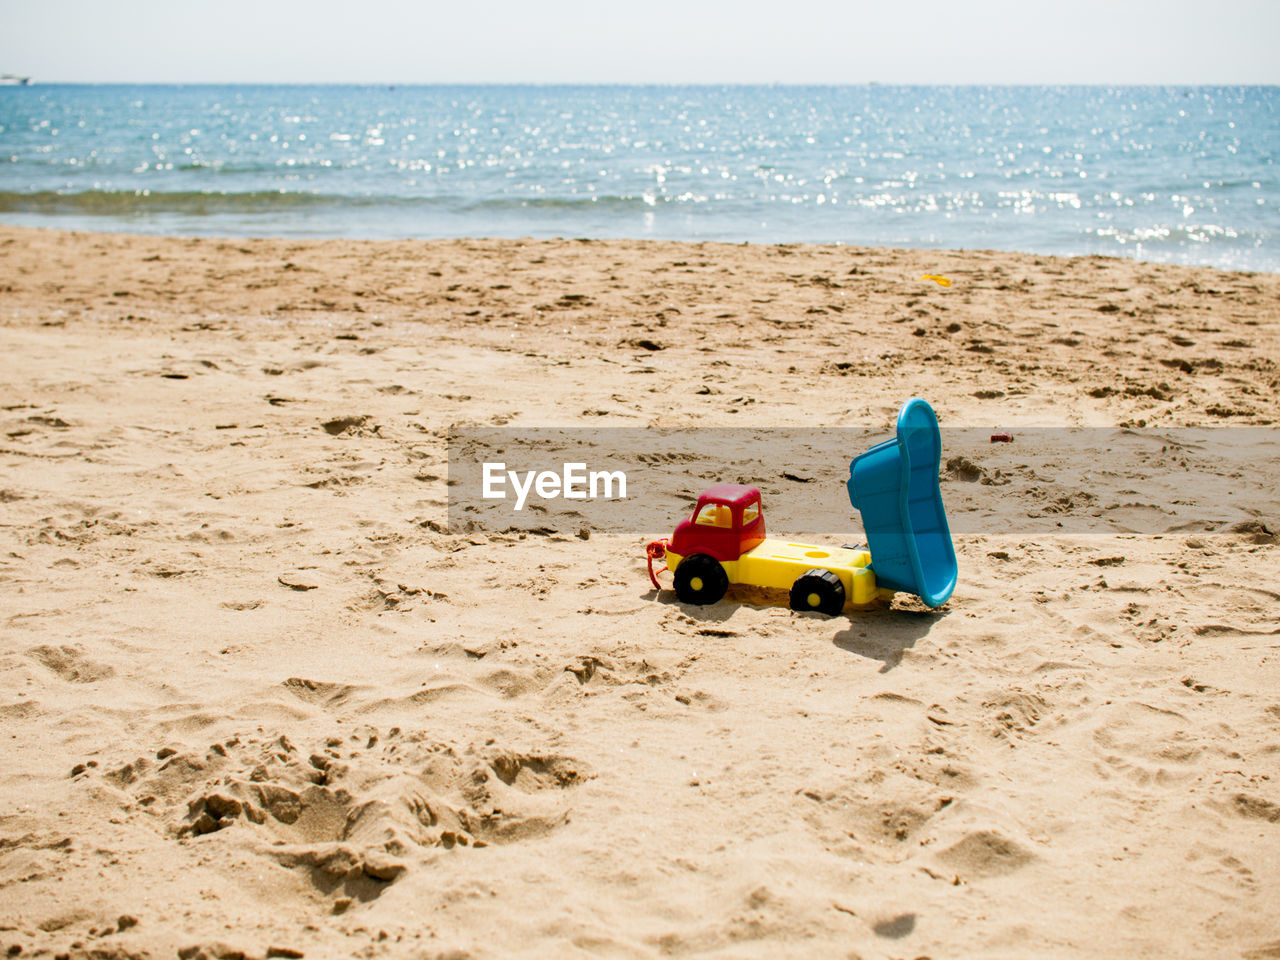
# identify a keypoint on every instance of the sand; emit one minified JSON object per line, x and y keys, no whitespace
{"x":256,"y":698}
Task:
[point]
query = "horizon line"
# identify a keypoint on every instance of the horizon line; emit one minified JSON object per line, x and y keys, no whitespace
{"x":621,"y":83}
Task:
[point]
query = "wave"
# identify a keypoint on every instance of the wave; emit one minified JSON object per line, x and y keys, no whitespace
{"x":125,"y":202}
{"x":115,"y":203}
{"x":1181,"y":234}
{"x":607,"y":202}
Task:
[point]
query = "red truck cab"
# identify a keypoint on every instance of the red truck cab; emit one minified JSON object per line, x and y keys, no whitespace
{"x":726,"y":523}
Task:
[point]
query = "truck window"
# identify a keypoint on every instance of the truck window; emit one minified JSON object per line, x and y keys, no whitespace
{"x":749,"y":513}
{"x":715,"y":515}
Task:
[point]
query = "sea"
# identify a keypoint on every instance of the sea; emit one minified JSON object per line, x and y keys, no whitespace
{"x":1179,"y":174}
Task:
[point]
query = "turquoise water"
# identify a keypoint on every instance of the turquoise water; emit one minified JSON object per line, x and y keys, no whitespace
{"x":1160,"y":173}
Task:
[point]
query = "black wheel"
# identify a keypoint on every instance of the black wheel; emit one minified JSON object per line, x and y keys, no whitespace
{"x":700,"y":580}
{"x":819,"y":590}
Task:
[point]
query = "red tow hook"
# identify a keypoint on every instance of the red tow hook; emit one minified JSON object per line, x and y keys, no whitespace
{"x":656,"y":550}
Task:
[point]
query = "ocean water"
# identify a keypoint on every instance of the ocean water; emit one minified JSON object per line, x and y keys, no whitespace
{"x":1184,"y":174}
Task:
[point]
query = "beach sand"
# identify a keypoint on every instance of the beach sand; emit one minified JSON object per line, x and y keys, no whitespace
{"x":256,"y":697}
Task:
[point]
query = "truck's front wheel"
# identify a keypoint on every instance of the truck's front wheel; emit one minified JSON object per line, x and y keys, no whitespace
{"x":819,"y":590}
{"x":700,"y":580}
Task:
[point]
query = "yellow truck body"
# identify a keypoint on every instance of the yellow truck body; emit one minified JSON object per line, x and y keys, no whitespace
{"x":776,"y":565}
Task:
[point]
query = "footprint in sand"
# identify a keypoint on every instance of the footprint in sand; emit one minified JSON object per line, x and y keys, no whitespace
{"x":1145,"y":743}
{"x":883,"y":821}
{"x":985,"y":853}
{"x":70,"y":663}
{"x":1013,"y":714}
{"x":351,"y":426}
{"x":351,"y":810}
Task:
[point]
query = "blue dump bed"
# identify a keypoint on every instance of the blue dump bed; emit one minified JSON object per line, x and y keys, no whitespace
{"x":894,"y":486}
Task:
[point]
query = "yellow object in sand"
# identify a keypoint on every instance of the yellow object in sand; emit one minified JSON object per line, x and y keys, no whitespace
{"x":940,"y":281}
{"x":775,"y":565}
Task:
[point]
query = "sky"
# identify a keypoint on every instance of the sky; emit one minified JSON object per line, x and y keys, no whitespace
{"x":657,"y":41}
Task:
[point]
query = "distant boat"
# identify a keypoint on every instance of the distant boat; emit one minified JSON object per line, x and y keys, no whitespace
{"x":13,"y":80}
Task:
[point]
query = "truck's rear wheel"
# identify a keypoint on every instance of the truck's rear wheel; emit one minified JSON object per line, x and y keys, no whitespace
{"x":819,"y":590}
{"x":700,"y":580}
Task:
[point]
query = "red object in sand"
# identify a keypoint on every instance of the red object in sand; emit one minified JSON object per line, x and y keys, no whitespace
{"x":1002,"y":438}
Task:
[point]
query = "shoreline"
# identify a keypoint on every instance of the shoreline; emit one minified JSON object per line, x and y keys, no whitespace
{"x":321,"y":237}
{"x":259,"y":698}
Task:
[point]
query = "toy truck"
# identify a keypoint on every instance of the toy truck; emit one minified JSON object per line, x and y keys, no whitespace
{"x":894,"y":486}
{"x":724,"y":542}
